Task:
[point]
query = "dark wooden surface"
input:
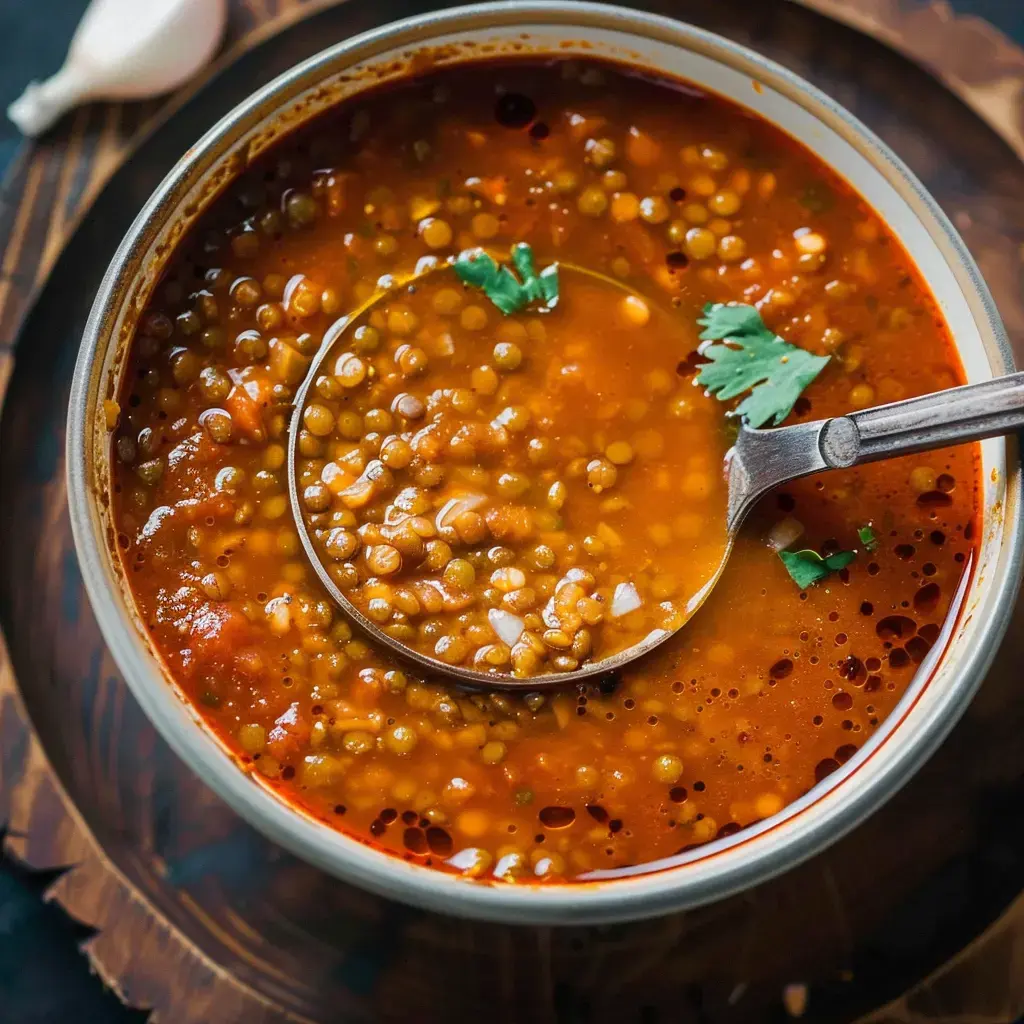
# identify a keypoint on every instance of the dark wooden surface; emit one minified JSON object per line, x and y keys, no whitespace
{"x":206,"y":897}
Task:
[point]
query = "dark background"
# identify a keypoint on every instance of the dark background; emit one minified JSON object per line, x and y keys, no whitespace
{"x":43,"y":977}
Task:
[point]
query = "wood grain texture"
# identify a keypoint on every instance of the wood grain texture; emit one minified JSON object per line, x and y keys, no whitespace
{"x":188,"y":900}
{"x":984,"y":68}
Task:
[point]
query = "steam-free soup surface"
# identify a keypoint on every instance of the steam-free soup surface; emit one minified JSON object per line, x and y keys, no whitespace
{"x":681,"y":198}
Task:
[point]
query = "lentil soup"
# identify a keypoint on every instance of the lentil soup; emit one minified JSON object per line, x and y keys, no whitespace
{"x":679,"y":199}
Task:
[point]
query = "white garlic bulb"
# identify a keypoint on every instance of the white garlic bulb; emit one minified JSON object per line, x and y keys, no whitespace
{"x":125,"y":50}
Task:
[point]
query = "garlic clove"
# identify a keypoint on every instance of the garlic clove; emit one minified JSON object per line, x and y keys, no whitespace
{"x":42,"y":103}
{"x":123,"y":50}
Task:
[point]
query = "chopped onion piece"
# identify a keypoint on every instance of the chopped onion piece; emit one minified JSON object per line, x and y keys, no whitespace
{"x":454,"y":507}
{"x":626,"y":599}
{"x":509,"y":627}
{"x":785,"y":532}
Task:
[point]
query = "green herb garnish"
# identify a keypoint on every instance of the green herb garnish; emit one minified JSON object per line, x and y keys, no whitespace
{"x":509,"y":293}
{"x":808,"y":567}
{"x":746,"y":356}
{"x":867,"y":537}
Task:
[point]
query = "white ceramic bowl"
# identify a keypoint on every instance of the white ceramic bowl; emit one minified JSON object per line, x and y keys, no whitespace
{"x":943,"y":684}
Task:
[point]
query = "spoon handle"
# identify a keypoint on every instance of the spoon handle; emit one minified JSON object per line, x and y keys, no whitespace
{"x":763,"y":459}
{"x":967,"y":413}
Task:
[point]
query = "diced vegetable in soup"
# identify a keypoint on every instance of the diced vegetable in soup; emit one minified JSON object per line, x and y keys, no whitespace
{"x":516,"y":464}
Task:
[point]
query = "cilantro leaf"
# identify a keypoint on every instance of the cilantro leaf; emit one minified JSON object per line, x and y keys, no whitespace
{"x":547,"y":284}
{"x":522,"y":260}
{"x":722,"y":321}
{"x":744,"y":355}
{"x":808,"y":567}
{"x":508,"y":292}
{"x":867,"y":537}
{"x":476,"y":268}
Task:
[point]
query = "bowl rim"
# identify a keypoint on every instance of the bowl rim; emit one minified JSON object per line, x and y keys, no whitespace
{"x":345,"y":856}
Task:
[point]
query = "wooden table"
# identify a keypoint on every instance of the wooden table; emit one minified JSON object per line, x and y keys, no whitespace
{"x":53,"y":184}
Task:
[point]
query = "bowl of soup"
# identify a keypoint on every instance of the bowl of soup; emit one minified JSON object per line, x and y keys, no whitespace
{"x":512,"y":467}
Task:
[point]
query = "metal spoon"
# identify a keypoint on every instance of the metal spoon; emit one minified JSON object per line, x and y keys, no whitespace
{"x":760,"y":461}
{"x":764,"y":459}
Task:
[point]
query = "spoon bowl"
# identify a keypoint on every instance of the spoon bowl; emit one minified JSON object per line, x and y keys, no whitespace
{"x":701,"y":571}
